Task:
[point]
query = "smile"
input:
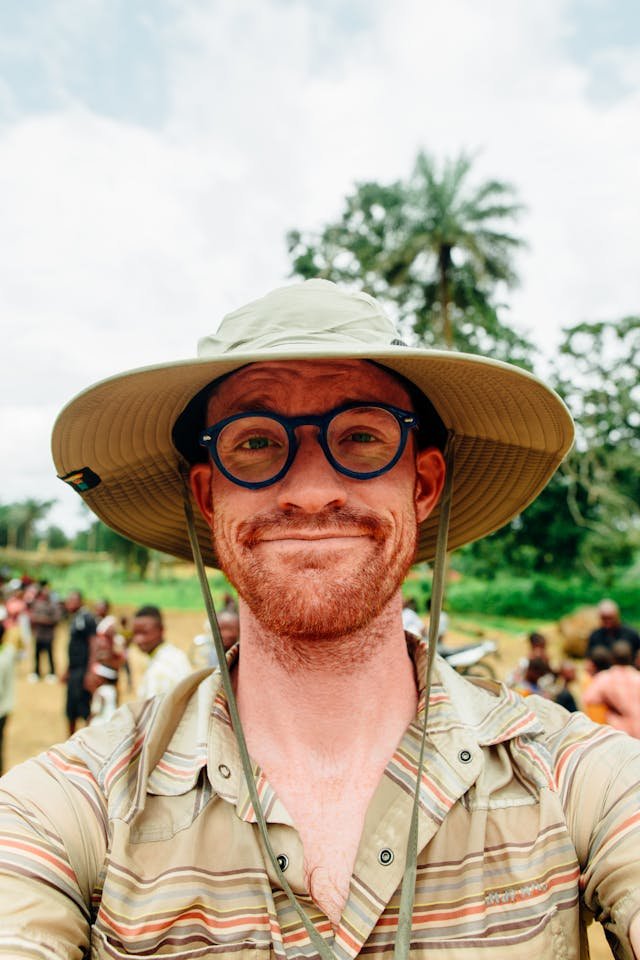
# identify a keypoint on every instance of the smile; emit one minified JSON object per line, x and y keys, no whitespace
{"x":311,"y":537}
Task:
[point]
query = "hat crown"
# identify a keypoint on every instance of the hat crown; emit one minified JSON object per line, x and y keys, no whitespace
{"x":309,"y":314}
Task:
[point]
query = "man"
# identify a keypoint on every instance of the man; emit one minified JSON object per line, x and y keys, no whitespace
{"x":611,"y":629}
{"x":618,"y":690}
{"x":82,"y":629}
{"x":167,"y":664}
{"x":44,"y":615}
{"x":203,"y":652}
{"x":334,"y":791}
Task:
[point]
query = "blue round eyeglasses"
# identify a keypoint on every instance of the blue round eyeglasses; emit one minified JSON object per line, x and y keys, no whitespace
{"x":361,"y":440}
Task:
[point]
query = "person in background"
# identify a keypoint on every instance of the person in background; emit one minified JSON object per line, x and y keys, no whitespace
{"x":44,"y":614}
{"x":106,"y":657}
{"x":562,"y":694}
{"x":17,"y":622}
{"x":167,"y":663}
{"x":618,"y":690}
{"x":411,"y":621}
{"x":537,"y":670}
{"x":8,"y":656}
{"x":101,"y":609}
{"x":611,"y":629}
{"x":82,"y":628}
{"x":537,"y":650}
{"x":598,"y":660}
{"x":203,"y":651}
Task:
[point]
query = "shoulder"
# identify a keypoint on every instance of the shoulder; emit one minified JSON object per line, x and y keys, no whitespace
{"x":169,"y":654}
{"x":114,"y":760}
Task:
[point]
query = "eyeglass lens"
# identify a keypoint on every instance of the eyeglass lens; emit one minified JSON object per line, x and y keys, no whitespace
{"x":362,"y":439}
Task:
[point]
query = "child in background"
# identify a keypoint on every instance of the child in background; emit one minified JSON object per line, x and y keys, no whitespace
{"x":8,"y":655}
{"x":598,"y":660}
{"x":106,"y":657}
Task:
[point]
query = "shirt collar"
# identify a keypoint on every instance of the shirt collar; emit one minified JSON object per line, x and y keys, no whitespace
{"x":460,"y":713}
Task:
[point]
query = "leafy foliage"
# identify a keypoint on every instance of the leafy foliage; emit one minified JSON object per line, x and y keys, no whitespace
{"x":19,"y":522}
{"x":431,"y":248}
{"x":598,"y":378}
{"x":98,"y":537}
{"x":588,"y":517}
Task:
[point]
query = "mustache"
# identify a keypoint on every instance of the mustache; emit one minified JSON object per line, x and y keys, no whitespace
{"x":336,"y":521}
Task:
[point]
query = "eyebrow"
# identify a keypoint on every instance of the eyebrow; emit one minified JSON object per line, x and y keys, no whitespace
{"x":264,"y":403}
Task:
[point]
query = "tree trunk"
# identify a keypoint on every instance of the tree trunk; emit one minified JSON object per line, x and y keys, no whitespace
{"x":444,"y":264}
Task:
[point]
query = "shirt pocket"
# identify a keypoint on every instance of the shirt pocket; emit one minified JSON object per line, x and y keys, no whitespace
{"x":551,"y":936}
{"x":102,"y":948}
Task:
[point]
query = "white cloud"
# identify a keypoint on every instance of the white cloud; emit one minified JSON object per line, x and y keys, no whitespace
{"x":122,"y":244}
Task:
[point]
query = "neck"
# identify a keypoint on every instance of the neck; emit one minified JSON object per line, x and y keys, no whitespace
{"x":334,"y":699}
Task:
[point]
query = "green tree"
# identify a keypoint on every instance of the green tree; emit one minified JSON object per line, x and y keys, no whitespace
{"x":434,"y":247}
{"x":98,"y":537}
{"x":19,"y":522}
{"x":587,"y":520}
{"x":597,"y":375}
{"x":56,"y":538}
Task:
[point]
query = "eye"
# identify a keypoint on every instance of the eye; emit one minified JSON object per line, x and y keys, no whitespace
{"x":257,"y":443}
{"x":361,"y":436}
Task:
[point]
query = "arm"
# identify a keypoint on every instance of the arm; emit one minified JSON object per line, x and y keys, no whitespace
{"x":52,"y":847}
{"x":634,"y":935}
{"x":598,"y":776}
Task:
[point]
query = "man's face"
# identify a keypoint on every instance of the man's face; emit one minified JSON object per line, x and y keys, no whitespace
{"x":147,"y":633}
{"x":609,"y":615}
{"x":317,"y":553}
{"x":229,"y":629}
{"x":73,"y":602}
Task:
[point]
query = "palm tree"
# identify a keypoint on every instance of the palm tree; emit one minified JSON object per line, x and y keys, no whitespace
{"x":435,"y":246}
{"x":22,"y":518}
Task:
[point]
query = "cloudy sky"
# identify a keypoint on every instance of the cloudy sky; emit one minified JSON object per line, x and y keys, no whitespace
{"x":153,"y":153}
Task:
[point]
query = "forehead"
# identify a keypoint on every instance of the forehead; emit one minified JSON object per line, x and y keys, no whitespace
{"x":306,"y":386}
{"x":146,"y":623}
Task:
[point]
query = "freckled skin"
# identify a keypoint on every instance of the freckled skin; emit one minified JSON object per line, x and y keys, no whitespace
{"x":325,"y":686}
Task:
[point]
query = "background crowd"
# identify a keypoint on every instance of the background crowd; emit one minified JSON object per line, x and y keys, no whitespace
{"x":95,"y":663}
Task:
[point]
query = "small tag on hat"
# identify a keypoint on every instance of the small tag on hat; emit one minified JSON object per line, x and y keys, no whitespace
{"x":82,"y":479}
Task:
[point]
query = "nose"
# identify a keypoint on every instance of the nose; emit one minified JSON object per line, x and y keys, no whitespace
{"x":311,"y":484}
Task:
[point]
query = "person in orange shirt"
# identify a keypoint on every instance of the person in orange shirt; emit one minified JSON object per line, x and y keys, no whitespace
{"x":617,"y":691}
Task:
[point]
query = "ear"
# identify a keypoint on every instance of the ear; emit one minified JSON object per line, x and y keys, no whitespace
{"x":430,"y":471}
{"x":200,"y":483}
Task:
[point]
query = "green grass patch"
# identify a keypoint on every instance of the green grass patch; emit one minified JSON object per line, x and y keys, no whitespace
{"x":169,"y":592}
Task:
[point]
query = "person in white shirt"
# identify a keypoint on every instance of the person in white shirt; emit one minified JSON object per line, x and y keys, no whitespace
{"x":167,"y":663}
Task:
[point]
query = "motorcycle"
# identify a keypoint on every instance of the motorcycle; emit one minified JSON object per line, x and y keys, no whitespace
{"x":470,"y":659}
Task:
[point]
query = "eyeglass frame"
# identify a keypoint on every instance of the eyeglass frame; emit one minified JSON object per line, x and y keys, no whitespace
{"x":209,"y":437}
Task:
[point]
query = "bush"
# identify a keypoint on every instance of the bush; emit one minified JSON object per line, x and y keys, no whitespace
{"x":538,"y":597}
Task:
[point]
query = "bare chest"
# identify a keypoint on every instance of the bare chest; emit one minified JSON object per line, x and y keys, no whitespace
{"x":329,"y":817}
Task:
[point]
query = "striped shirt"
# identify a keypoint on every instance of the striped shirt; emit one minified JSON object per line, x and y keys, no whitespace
{"x":138,"y":838}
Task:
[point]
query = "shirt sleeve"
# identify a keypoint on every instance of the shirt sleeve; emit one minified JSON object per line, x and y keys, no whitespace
{"x":53,"y":829}
{"x":598,"y":775}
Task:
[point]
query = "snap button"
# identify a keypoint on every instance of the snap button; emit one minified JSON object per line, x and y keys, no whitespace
{"x":283,"y":861}
{"x":224,"y":771}
{"x":464,"y":756}
{"x":385,"y":856}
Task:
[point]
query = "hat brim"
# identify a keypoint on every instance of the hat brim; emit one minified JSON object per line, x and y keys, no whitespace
{"x":513,"y":432}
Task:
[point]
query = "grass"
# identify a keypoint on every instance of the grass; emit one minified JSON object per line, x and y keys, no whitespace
{"x":177,"y":590}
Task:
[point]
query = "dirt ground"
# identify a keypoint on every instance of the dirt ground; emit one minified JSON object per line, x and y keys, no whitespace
{"x":39,"y":721}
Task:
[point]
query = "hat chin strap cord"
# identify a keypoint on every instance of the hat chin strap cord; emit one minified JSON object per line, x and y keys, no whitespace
{"x":405,"y":914}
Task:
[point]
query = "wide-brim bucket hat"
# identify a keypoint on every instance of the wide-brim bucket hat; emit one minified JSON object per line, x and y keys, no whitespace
{"x":114,"y":442}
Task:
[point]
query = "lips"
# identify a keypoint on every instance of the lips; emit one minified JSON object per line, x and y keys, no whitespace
{"x":307,"y":537}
